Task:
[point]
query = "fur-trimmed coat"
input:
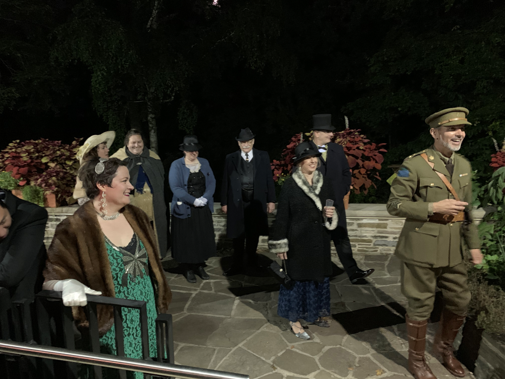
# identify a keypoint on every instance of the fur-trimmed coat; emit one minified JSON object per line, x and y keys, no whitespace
{"x":78,"y":252}
{"x":300,"y":228}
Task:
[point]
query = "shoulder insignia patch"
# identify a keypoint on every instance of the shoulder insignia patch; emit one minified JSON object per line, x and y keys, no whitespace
{"x":403,"y":172}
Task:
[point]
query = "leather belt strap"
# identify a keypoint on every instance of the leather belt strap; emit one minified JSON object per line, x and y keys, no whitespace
{"x":439,"y":218}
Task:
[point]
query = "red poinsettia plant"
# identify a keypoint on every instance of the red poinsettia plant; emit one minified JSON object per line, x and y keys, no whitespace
{"x":51,"y":165}
{"x":498,"y":158}
{"x":365,"y":158}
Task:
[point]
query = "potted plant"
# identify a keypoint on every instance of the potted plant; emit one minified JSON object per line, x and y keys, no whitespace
{"x":364,"y":157}
{"x":485,"y":325}
{"x":50,"y":165}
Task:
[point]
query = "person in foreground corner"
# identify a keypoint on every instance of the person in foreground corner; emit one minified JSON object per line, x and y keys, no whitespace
{"x":433,"y":191}
{"x":301,"y":236}
{"x":108,"y":247}
{"x":335,"y":168}
{"x":247,"y":195}
{"x":22,"y":249}
{"x":192,"y":182}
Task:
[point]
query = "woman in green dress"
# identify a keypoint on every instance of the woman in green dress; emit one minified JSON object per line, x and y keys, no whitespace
{"x":108,"y":247}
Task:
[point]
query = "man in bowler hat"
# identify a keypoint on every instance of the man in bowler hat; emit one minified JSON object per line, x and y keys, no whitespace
{"x":247,"y":195}
{"x":433,"y":191}
{"x":334,"y":167}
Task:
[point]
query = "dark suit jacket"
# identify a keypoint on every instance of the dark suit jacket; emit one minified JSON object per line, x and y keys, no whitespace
{"x":22,"y":252}
{"x":231,"y":192}
{"x":336,"y":169}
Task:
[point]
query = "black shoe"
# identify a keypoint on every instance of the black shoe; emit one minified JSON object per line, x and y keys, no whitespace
{"x":190,"y":276}
{"x":233,"y":270}
{"x":202,"y":273}
{"x":360,"y":274}
{"x":322,"y":323}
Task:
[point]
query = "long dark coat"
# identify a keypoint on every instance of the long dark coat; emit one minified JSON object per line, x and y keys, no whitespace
{"x":300,"y":228}
{"x":336,"y":169}
{"x":231,"y":192}
{"x":22,"y":251}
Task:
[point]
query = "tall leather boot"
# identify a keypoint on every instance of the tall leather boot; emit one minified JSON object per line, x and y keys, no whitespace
{"x":418,"y":367}
{"x":444,"y":339}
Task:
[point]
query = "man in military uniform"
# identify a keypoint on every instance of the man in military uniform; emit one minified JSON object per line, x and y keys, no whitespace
{"x":433,"y":191}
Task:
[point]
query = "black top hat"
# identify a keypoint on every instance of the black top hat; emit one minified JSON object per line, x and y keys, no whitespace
{"x":305,"y":150}
{"x":322,"y":122}
{"x":190,"y":143}
{"x":245,"y":135}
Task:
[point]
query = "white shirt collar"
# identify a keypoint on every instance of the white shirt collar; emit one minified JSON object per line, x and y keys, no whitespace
{"x":250,"y":155}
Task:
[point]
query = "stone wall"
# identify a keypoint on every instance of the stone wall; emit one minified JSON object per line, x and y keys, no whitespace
{"x":372,"y":230}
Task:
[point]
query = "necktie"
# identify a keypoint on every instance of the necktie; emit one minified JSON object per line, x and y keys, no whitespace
{"x":247,"y":157}
{"x":322,"y":148}
{"x":450,"y":167}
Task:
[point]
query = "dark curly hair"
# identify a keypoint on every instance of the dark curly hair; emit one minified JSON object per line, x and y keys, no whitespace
{"x":90,"y":178}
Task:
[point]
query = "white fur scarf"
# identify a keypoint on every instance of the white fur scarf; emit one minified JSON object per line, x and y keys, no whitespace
{"x":313,"y":191}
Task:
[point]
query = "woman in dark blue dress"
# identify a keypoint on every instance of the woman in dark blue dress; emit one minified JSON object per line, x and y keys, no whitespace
{"x":193,"y":184}
{"x":301,"y":237}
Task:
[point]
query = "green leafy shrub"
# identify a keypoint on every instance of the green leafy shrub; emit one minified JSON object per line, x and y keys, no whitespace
{"x":492,"y":228}
{"x":486,"y":303}
{"x":7,"y":182}
{"x":34,"y":195}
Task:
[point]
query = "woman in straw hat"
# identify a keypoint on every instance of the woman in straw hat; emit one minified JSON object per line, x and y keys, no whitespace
{"x":300,"y":236}
{"x":192,"y":182}
{"x":96,"y":146}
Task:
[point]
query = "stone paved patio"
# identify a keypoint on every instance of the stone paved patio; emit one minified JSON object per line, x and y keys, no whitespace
{"x":231,"y":324}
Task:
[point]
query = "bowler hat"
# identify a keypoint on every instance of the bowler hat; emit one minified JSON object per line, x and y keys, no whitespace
{"x":190,"y":143}
{"x":322,"y":122}
{"x":94,"y":141}
{"x":448,"y":117}
{"x":305,"y":150}
{"x":245,"y":135}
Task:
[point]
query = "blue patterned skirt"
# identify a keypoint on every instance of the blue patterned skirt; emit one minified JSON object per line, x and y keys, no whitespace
{"x":307,"y":300}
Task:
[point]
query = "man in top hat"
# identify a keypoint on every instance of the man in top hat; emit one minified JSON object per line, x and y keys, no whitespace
{"x":334,"y":166}
{"x":433,"y":191}
{"x":247,"y":194}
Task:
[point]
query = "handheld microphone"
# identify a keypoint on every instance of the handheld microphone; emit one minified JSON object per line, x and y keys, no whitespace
{"x":329,"y":203}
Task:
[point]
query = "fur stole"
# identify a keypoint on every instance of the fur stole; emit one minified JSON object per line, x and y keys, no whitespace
{"x":313,"y":192}
{"x":78,"y":252}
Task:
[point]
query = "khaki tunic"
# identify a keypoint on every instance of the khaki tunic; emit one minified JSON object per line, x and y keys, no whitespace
{"x":421,"y":242}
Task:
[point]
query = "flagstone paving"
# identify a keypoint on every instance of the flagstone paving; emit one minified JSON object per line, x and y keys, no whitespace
{"x":231,"y":324}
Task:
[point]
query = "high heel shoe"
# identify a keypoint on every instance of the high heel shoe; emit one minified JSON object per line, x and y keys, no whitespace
{"x":302,"y":335}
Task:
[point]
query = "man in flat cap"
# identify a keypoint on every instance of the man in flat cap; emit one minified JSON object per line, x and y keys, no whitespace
{"x":433,"y":191}
{"x":334,"y":167}
{"x":247,"y":194}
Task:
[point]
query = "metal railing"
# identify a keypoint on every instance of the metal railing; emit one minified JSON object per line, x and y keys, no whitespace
{"x":45,"y":329}
{"x":104,"y":360}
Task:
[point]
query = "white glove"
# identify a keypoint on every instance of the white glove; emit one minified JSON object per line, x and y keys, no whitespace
{"x":203,"y":200}
{"x":198,"y":203}
{"x":74,"y":292}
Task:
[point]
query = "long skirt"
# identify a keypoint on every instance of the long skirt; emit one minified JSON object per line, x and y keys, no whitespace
{"x":307,"y":300}
{"x":193,"y":239}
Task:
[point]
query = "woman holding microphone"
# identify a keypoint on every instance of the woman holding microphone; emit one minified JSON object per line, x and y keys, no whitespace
{"x":301,"y":237}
